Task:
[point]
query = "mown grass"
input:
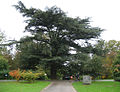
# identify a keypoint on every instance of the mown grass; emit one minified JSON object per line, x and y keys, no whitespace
{"x":101,"y":86}
{"x":23,"y":86}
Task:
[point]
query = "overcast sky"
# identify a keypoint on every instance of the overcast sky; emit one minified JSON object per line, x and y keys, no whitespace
{"x":104,"y":14}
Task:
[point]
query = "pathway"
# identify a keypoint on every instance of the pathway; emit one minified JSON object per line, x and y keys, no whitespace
{"x":60,"y":86}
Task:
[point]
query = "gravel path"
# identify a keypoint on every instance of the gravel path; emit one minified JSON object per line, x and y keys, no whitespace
{"x":60,"y":86}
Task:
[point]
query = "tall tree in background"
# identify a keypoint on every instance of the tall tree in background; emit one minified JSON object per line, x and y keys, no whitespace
{"x":108,"y":52}
{"x":4,"y":66}
{"x":113,"y":48}
{"x":5,"y":49}
{"x":2,"y":40}
{"x":116,"y":67}
{"x":100,"y":48}
{"x":54,"y":33}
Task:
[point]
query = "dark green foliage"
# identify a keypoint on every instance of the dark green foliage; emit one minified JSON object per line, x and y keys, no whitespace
{"x":31,"y":53}
{"x":3,"y":64}
{"x":5,"y":52}
{"x":100,"y":48}
{"x":4,"y":68}
{"x":4,"y":74}
{"x":108,"y":51}
{"x":83,"y":64}
{"x":25,"y":56}
{"x":53,"y":33}
{"x":93,"y":67}
{"x":116,"y":68}
{"x":77,"y":64}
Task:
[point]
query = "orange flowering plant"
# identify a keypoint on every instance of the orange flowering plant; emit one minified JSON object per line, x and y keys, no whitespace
{"x":26,"y":75}
{"x":15,"y":74}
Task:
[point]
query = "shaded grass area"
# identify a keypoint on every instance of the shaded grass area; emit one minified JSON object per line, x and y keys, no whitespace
{"x":23,"y":86}
{"x":101,"y":86}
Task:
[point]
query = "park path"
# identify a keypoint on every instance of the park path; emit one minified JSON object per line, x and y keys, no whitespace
{"x":60,"y":86}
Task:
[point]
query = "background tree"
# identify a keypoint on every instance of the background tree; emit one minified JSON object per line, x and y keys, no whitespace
{"x":116,"y":68}
{"x":4,"y":66}
{"x":108,"y":51}
{"x":100,"y":48}
{"x":94,"y":66}
{"x":84,"y":64}
{"x":55,"y":33}
{"x":3,"y":61}
{"x":30,"y":53}
{"x":75,"y":65}
{"x":6,"y":49}
{"x":113,"y":47}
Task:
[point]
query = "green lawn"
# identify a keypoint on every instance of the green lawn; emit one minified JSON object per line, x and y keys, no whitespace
{"x":23,"y":86}
{"x":98,"y":87}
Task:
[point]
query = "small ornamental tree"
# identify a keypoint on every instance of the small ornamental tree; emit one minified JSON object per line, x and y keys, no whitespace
{"x":116,"y":68}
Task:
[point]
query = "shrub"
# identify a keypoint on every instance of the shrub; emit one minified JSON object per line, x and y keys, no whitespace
{"x":30,"y":76}
{"x":116,"y":72}
{"x":43,"y":75}
{"x":15,"y":74}
{"x":4,"y":74}
{"x":116,"y":68}
{"x":3,"y":64}
{"x":4,"y":68}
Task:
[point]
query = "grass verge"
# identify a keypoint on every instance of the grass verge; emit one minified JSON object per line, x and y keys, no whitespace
{"x":100,"y":86}
{"x":23,"y":86}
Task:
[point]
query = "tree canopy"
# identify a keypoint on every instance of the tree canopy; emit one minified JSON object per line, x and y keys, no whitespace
{"x":53,"y":34}
{"x":116,"y":67}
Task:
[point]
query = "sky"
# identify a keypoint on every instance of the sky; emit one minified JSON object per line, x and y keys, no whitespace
{"x":103,"y":13}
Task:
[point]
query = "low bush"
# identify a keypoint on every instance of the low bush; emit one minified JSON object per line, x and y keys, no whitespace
{"x":116,"y":68}
{"x":4,"y":74}
{"x":29,"y":75}
{"x":15,"y":74}
{"x":116,"y":72}
{"x":43,"y":75}
{"x":3,"y":64}
{"x":4,"y":68}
